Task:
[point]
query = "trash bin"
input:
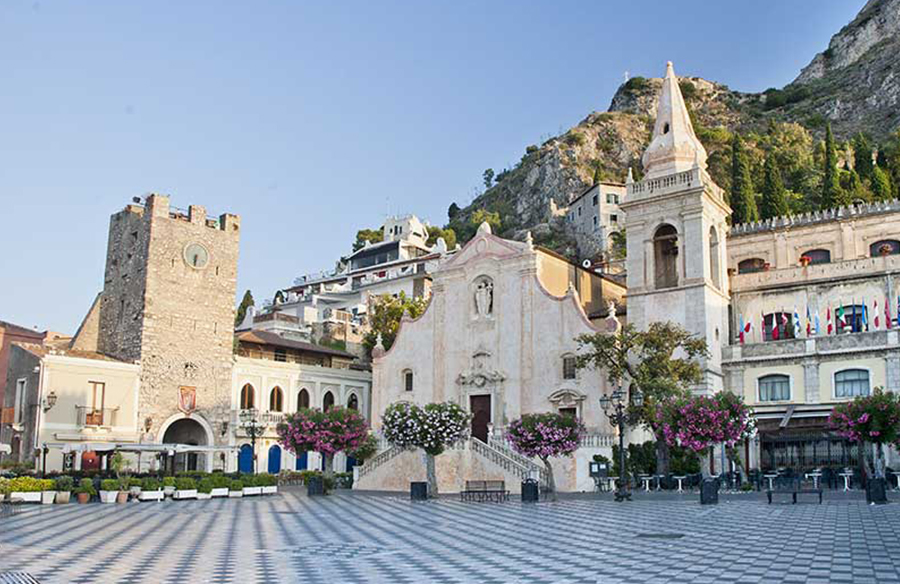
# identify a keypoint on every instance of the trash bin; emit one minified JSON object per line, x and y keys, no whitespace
{"x":530,"y":491}
{"x":709,"y":492}
{"x":418,"y":491}
{"x":876,"y":491}
{"x":315,"y":485}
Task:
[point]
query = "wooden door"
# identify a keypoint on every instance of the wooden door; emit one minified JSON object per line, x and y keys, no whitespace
{"x":480,"y":406}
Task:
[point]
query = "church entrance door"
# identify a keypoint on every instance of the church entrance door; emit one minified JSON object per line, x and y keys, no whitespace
{"x":480,"y":406}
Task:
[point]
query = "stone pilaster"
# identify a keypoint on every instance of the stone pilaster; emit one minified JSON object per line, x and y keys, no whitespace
{"x":811,"y":381}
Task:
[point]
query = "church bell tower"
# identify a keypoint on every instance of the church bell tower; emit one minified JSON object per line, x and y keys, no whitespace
{"x":676,"y":226}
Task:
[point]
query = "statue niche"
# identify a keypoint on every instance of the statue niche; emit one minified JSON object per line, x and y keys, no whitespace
{"x":484,"y":297}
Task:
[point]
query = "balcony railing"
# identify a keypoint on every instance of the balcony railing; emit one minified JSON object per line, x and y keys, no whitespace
{"x":89,"y":416}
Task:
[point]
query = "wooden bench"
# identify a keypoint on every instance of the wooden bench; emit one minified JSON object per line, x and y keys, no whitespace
{"x":485,"y":491}
{"x":793,"y":488}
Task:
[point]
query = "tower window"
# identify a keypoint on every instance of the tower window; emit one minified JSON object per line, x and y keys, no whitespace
{"x":665,"y":251}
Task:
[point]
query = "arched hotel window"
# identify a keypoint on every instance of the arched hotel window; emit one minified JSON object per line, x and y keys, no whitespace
{"x":569,"y":369}
{"x":774,"y":388}
{"x":276,"y":400}
{"x":818,"y":256}
{"x":714,"y":257}
{"x":327,"y":401}
{"x":665,"y":254}
{"x":785,"y":326}
{"x":884,"y":247}
{"x":247,"y":400}
{"x":851,"y":383}
{"x":408,"y":380}
{"x":303,"y":399}
{"x":352,"y":402}
{"x":749,"y":266}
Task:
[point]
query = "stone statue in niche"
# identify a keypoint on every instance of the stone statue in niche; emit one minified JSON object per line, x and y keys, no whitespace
{"x":484,"y":298}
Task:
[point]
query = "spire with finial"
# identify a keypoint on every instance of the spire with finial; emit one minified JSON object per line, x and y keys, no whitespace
{"x":674,"y":147}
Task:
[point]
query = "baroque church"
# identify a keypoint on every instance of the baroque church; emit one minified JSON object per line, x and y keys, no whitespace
{"x":498,"y":337}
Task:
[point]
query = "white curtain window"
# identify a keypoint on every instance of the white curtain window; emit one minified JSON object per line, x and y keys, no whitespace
{"x":851,"y":383}
{"x":774,"y":388}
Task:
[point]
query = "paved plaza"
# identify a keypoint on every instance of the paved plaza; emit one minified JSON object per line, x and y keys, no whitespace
{"x":349,"y":537}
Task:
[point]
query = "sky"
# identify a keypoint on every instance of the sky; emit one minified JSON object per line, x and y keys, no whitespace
{"x":312,"y":120}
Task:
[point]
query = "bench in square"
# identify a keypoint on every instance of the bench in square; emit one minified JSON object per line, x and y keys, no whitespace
{"x":495,"y":491}
{"x":792,"y":487}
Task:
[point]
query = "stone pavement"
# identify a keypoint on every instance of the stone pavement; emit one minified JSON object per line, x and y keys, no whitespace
{"x":350,"y":537}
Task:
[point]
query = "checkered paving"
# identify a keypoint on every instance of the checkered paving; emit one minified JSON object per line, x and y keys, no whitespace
{"x":349,"y":537}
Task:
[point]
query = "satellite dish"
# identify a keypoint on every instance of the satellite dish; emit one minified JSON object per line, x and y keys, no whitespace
{"x":586,"y":264}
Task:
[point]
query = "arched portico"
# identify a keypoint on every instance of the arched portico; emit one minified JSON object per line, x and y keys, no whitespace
{"x":193,"y":430}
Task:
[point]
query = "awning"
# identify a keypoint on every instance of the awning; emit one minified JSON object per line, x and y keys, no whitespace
{"x":68,"y":447}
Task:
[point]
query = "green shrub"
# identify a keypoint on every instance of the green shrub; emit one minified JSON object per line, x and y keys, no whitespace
{"x":185,"y":484}
{"x":150,"y":484}
{"x":343,"y":480}
{"x":236,"y":485}
{"x":64,"y":484}
{"x":135,"y":482}
{"x":220,"y":481}
{"x":205,"y":485}
{"x":109,"y":485}
{"x":746,"y":487}
{"x":27,"y":485}
{"x":86,"y":486}
{"x":168,"y":481}
{"x":636,"y":84}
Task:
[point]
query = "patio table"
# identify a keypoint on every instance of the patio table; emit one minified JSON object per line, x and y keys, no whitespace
{"x":815,"y":477}
{"x":846,"y":476}
{"x":679,"y":479}
{"x":646,"y":479}
{"x":771,"y":477}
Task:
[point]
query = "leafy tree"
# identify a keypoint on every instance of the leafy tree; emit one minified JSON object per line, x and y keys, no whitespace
{"x":701,"y":422}
{"x":872,"y":419}
{"x":852,"y":187}
{"x":544,"y":436}
{"x":488,"y":178}
{"x":832,"y":194}
{"x":619,"y":244}
{"x":434,"y":232}
{"x":366,"y":449}
{"x":432,"y":428}
{"x":337,"y":430}
{"x":246,"y":302}
{"x":484,"y":216}
{"x":774,"y":199}
{"x":646,"y":361}
{"x":370,"y":235}
{"x":452,"y":211}
{"x":743,"y":199}
{"x":862,"y":157}
{"x":385,"y":312}
{"x":881,"y":185}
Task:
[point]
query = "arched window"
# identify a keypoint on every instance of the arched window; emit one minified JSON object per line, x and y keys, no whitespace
{"x":247,"y":393}
{"x":777,"y":326}
{"x":714,"y":257}
{"x":818,"y":256}
{"x":851,"y":383}
{"x":852,"y":321}
{"x":408,"y":380}
{"x":884,"y":247}
{"x":276,"y":400}
{"x":352,"y":402}
{"x":665,"y":255}
{"x":327,"y":401}
{"x":303,"y":399}
{"x":774,"y":388}
{"x":568,"y":366}
{"x":752,"y":265}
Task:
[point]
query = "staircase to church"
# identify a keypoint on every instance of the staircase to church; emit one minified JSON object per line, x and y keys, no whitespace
{"x":382,"y":458}
{"x":496,"y":451}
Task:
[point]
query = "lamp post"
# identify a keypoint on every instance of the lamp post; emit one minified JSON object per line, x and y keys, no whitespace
{"x":615,"y":407}
{"x":251,"y":424}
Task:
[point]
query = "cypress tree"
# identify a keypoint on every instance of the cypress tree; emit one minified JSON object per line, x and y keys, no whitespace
{"x":246,"y":302}
{"x":743,"y":200}
{"x":774,"y":197}
{"x":862,"y":157}
{"x":881,"y":185}
{"x":832,"y":195}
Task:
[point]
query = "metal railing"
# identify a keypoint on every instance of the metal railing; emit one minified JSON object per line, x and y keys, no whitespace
{"x":89,"y":416}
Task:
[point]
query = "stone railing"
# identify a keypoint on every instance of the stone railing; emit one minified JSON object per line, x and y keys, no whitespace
{"x":823,"y":344}
{"x":800,"y":275}
{"x":507,"y":463}
{"x":596,"y":440}
{"x":379,"y":459}
{"x":814,"y":217}
{"x":503,"y":445}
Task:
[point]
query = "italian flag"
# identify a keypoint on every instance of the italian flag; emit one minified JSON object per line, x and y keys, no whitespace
{"x":839,"y":317}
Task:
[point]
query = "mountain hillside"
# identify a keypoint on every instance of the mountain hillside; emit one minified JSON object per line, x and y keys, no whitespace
{"x":854,"y":85}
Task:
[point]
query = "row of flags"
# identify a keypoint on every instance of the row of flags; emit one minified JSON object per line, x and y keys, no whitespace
{"x":856,"y":317}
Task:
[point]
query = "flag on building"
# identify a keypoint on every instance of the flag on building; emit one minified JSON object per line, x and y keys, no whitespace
{"x":784,"y":323}
{"x":796,"y":323}
{"x":808,"y":323}
{"x":876,"y":321}
{"x":745,"y":329}
{"x":887,"y":312}
{"x":829,"y":328}
{"x":839,"y":320}
{"x":817,"y":322}
{"x":864,"y":326}
{"x":774,"y":326}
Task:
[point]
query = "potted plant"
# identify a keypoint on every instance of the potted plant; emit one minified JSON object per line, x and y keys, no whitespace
{"x":150,"y":490}
{"x":64,"y":486}
{"x":109,"y":490}
{"x":122,"y":493}
{"x":252,"y":486}
{"x":185,"y":488}
{"x":220,"y":485}
{"x":25,"y":489}
{"x":135,"y":486}
{"x":168,"y":484}
{"x":269,"y":484}
{"x":204,"y":488}
{"x":4,"y":488}
{"x":48,"y":492}
{"x":805,"y":260}
{"x":885,"y":249}
{"x":85,"y":490}
{"x":236,"y":489}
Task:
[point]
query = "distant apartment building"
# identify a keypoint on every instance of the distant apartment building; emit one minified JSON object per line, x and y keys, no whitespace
{"x":595,"y":215}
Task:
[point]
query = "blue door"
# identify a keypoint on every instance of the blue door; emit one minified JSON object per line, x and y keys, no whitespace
{"x":351,"y":462}
{"x":302,"y":461}
{"x":245,"y":459}
{"x":274,"y":459}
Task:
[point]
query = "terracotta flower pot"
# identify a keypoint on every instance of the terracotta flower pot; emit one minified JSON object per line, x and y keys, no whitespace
{"x":122,"y":497}
{"x":84,"y":497}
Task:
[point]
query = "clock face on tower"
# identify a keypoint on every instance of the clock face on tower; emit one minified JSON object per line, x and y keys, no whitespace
{"x":196,"y":256}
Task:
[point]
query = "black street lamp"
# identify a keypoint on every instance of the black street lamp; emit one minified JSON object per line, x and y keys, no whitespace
{"x":615,"y":407}
{"x":251,"y":424}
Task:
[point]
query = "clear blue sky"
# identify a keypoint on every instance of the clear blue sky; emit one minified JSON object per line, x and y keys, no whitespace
{"x":312,"y":120}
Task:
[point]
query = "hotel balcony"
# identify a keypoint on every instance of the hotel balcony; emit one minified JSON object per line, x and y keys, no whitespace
{"x":803,"y":275}
{"x":91,"y":417}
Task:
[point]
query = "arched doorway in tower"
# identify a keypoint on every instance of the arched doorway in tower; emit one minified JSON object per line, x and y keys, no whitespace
{"x":245,"y":459}
{"x":187,"y":431}
{"x":274,"y":459}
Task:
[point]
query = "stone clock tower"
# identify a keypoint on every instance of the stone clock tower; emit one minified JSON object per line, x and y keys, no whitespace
{"x":168,"y":302}
{"x":675,"y":220}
